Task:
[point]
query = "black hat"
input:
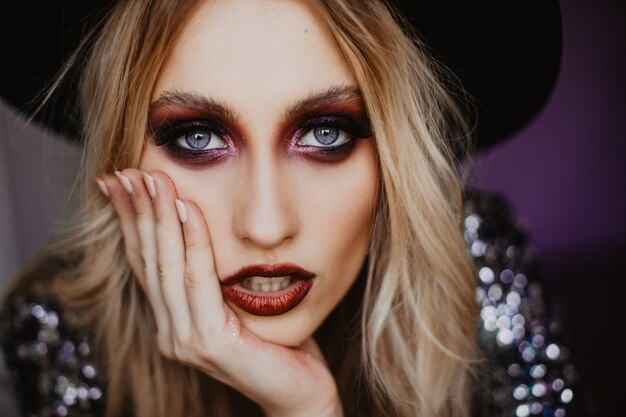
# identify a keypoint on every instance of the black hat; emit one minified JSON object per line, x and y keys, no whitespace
{"x":505,"y":53}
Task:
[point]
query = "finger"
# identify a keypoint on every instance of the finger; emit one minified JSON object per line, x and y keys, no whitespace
{"x":141,"y":198}
{"x":120,"y":200}
{"x":206,"y":304}
{"x":131,"y":181}
{"x":171,"y":256}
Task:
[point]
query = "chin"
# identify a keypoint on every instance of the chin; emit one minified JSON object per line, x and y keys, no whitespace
{"x":288,"y":329}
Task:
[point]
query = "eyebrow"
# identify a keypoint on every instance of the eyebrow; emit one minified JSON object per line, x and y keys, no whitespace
{"x":320,"y":99}
{"x":313,"y":102}
{"x":192,"y":101}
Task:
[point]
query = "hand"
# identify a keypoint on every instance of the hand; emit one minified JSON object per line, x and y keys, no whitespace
{"x":169,"y":249}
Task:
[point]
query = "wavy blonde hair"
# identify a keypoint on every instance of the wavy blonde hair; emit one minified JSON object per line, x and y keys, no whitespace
{"x":410,"y":318}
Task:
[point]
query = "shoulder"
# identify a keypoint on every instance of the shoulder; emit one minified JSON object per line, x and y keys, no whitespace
{"x":522,"y":339}
{"x":48,"y":357}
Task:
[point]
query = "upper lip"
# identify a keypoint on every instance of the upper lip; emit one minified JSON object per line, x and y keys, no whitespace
{"x":275,"y":270}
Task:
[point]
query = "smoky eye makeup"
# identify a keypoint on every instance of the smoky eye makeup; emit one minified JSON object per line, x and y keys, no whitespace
{"x":191,"y":141}
{"x":197,"y":131}
{"x":330,"y":136}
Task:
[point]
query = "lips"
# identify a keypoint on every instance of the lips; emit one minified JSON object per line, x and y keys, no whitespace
{"x":268,"y":290}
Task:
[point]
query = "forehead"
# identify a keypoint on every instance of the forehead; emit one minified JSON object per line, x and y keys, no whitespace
{"x":254,"y":54}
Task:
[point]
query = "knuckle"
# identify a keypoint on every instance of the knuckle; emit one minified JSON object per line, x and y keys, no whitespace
{"x":159,"y":218}
{"x":200,"y":348}
{"x":131,"y":250}
{"x":191,"y":280}
{"x":162,"y":269}
{"x":197,"y":248}
{"x":146,"y":263}
{"x":193,"y":350}
{"x":201,"y":354}
{"x":142,"y":210}
{"x":204,"y":349}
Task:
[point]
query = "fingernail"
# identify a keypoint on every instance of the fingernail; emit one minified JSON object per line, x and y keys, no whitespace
{"x":125,"y":183}
{"x":103,"y":187}
{"x":182,"y":211}
{"x":149,"y":181}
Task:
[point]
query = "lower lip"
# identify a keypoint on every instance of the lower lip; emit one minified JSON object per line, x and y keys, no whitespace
{"x":268,"y":303}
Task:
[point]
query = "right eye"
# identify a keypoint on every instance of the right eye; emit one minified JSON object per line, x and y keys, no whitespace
{"x":200,"y":140}
{"x":324,"y":137}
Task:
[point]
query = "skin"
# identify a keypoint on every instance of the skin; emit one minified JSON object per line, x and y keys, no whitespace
{"x":265,"y":202}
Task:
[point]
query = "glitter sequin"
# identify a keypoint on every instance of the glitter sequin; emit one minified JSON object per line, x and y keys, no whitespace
{"x":51,"y":376}
{"x":517,"y":330}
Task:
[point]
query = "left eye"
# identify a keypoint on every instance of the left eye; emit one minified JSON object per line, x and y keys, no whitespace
{"x":200,"y":140}
{"x":324,"y":137}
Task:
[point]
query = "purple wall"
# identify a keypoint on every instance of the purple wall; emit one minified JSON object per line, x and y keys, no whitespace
{"x":565,"y":175}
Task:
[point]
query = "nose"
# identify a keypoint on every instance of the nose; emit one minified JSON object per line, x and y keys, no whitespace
{"x":265,"y":215}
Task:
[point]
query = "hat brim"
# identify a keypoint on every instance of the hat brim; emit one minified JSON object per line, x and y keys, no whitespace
{"x":506,"y":55}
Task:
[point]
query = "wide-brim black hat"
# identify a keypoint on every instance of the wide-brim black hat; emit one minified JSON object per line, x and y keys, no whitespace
{"x":505,"y":53}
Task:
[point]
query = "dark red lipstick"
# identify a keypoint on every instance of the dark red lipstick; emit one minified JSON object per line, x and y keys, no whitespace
{"x":240,"y":289}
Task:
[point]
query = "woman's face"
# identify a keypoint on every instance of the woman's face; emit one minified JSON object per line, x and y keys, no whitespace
{"x":257,"y":119}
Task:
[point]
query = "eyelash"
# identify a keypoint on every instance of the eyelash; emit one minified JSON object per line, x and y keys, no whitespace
{"x":169,"y":133}
{"x":346,"y":124}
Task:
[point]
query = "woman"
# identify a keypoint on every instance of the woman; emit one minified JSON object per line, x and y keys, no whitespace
{"x":277,"y":225}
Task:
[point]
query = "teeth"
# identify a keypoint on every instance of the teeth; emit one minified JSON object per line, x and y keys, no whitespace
{"x":265,"y":284}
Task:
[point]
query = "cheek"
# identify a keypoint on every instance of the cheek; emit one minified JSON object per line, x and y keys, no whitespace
{"x":212,"y":191}
{"x":338,"y":207}
{"x":209,"y":189}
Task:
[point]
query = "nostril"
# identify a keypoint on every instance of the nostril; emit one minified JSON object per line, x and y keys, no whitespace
{"x":267,"y":234}
{"x":265,"y":224}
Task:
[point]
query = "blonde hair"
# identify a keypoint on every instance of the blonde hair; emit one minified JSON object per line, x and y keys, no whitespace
{"x":412,"y":315}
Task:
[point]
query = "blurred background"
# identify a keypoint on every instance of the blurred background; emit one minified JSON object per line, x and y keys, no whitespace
{"x":564,"y":176}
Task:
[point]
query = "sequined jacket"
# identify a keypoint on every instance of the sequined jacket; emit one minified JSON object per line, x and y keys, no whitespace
{"x":54,"y":373}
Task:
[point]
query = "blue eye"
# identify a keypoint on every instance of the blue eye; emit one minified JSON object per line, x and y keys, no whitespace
{"x":324,"y":137}
{"x":200,"y":140}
